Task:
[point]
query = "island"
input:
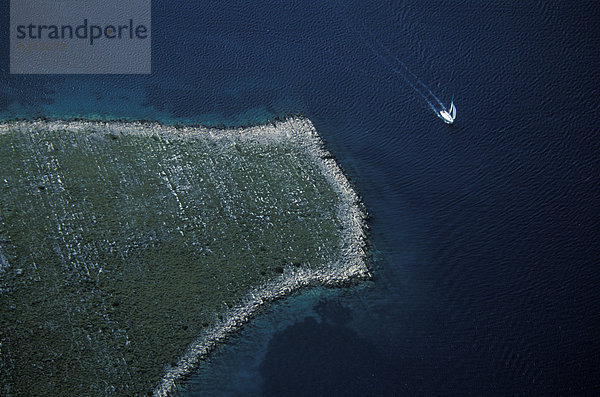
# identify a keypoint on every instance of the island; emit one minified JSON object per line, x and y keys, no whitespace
{"x":129,"y":249}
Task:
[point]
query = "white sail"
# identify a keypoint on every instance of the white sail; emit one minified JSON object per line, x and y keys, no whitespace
{"x":448,"y":115}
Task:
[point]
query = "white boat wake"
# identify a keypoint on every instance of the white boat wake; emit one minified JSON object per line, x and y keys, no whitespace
{"x":381,"y":51}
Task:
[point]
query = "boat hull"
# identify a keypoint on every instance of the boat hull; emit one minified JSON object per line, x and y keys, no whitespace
{"x":448,"y":115}
{"x":444,"y":115}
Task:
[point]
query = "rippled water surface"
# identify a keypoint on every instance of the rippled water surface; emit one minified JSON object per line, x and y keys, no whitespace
{"x":485,"y":258}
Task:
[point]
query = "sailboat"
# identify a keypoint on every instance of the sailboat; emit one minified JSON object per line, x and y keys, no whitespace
{"x":448,"y":115}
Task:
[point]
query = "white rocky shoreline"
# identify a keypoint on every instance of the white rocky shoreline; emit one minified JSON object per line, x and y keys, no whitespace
{"x":351,"y":262}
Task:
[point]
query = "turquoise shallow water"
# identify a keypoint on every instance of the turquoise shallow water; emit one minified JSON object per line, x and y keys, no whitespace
{"x":483,"y":231}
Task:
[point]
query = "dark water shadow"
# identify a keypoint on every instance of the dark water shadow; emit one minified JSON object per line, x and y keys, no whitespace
{"x":312,"y":358}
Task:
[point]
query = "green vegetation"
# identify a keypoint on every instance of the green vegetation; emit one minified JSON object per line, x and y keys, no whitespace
{"x":116,"y":250}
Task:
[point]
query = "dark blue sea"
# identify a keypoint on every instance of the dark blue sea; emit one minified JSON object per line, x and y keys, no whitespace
{"x":484,"y":233}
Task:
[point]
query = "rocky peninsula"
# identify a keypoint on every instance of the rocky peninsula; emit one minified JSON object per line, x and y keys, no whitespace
{"x":129,"y":249}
